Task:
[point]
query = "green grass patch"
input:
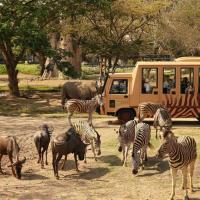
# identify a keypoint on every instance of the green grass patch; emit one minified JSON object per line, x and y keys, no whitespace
{"x":32,"y":69}
{"x":3,"y":69}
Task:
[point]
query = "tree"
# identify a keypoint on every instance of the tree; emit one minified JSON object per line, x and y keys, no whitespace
{"x":117,"y":30}
{"x":178,"y":31}
{"x":21,"y":28}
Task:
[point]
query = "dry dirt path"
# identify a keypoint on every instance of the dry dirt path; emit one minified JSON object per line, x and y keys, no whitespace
{"x":104,"y":179}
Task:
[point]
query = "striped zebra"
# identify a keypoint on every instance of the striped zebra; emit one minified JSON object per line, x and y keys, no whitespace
{"x":162,"y":120}
{"x":126,"y":137}
{"x":182,"y":154}
{"x":147,"y":109}
{"x":83,"y":106}
{"x":141,"y":142}
{"x":89,"y":136}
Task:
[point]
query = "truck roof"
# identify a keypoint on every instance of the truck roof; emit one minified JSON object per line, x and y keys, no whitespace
{"x":121,"y":75}
{"x":167,"y":63}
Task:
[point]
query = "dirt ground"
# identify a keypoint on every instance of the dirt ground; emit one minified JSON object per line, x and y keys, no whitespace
{"x":104,"y":179}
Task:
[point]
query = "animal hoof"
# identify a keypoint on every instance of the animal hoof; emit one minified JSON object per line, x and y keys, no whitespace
{"x":46,"y":163}
{"x":57,"y":177}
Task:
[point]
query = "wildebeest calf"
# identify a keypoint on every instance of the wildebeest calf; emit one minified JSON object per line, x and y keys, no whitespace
{"x":70,"y":142}
{"x":42,"y":140}
{"x":9,"y":146}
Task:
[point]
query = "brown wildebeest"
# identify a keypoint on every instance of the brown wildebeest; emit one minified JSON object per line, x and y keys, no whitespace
{"x":9,"y":146}
{"x":70,"y":142}
{"x":42,"y":140}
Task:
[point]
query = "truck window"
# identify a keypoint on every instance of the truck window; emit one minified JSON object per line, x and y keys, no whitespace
{"x":169,"y":80}
{"x":149,"y":80}
{"x":119,"y":86}
{"x":187,"y":80}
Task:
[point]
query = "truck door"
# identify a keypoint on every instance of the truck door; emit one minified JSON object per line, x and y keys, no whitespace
{"x":117,"y":94}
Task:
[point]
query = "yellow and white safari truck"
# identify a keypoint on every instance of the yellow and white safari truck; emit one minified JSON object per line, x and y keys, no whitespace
{"x":174,"y":84}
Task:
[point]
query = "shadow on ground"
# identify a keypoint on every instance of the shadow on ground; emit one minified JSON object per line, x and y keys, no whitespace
{"x":112,"y":160}
{"x":157,"y":167}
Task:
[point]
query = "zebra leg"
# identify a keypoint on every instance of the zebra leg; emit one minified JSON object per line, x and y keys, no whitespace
{"x":69,"y":118}
{"x":174,"y":173}
{"x":90,"y":118}
{"x":93,"y":150}
{"x":143,"y":155}
{"x":184,"y":179}
{"x":191,"y":175}
{"x":126,"y":149}
{"x":0,"y":164}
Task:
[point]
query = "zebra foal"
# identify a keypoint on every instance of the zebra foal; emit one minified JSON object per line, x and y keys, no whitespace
{"x":147,"y":109}
{"x":162,"y":120}
{"x":83,"y":106}
{"x":126,"y":137}
{"x":182,"y":154}
{"x":89,"y":136}
{"x":141,"y":142}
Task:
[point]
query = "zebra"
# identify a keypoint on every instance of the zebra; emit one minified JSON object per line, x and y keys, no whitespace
{"x":147,"y":109}
{"x":126,"y":137}
{"x":182,"y":154}
{"x":162,"y":119}
{"x":141,"y":142}
{"x":83,"y":106}
{"x":89,"y":136}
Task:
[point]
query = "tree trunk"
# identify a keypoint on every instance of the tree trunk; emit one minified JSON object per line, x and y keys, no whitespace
{"x":13,"y":81}
{"x":42,"y":61}
{"x":70,"y":44}
{"x":11,"y":64}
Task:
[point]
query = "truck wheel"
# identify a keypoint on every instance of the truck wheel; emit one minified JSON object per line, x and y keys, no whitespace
{"x":125,"y":115}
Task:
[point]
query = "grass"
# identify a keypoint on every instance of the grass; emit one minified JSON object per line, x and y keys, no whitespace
{"x":31,"y":69}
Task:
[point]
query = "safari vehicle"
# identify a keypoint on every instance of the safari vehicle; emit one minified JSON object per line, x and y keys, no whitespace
{"x":174,"y":84}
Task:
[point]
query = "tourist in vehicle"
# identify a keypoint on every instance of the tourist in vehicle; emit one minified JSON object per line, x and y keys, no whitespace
{"x":147,"y":86}
{"x":184,"y":85}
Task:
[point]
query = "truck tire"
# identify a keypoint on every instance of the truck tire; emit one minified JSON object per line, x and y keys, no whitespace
{"x":124,"y":115}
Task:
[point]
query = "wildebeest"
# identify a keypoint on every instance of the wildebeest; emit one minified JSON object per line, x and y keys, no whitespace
{"x":79,"y":90}
{"x":9,"y":146}
{"x":64,"y":144}
{"x":42,"y":140}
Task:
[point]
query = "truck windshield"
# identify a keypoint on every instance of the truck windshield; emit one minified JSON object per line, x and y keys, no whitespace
{"x":119,"y":86}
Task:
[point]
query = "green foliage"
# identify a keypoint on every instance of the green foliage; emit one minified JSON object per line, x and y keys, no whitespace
{"x":3,"y":69}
